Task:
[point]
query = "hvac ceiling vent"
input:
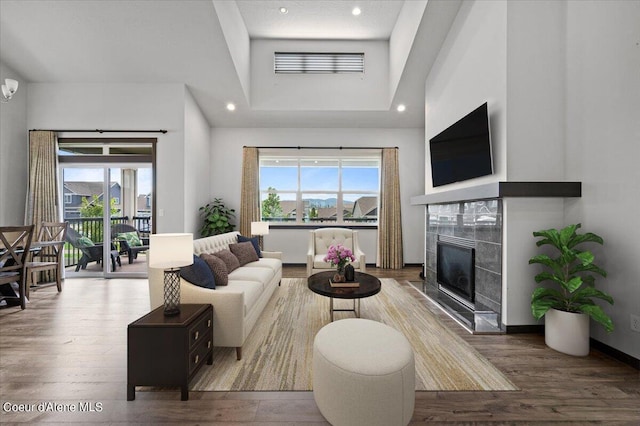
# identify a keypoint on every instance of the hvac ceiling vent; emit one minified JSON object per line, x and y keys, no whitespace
{"x":317,"y":63}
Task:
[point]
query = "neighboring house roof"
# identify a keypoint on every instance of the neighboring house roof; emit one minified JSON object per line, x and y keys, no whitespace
{"x":326,"y":212}
{"x":86,"y":189}
{"x":365,"y":206}
{"x":288,"y":207}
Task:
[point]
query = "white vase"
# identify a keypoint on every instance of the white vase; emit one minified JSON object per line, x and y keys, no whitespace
{"x":567,"y":332}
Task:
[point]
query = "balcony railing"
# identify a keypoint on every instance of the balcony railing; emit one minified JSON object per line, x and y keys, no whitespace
{"x":93,"y":228}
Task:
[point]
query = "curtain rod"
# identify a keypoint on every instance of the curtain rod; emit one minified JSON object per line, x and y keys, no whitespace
{"x":100,"y":131}
{"x":322,"y":147}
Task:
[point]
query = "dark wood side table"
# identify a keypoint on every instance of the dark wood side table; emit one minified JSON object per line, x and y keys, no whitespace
{"x":169,"y":351}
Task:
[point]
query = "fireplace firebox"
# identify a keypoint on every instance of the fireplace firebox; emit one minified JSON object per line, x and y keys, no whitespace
{"x":455,"y":271}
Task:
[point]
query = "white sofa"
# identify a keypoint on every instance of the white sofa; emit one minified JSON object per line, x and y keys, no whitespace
{"x":321,"y":239}
{"x":236,"y":306}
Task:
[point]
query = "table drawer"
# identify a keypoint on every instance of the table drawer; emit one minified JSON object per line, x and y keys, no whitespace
{"x":200,"y":330}
{"x":199,"y":355}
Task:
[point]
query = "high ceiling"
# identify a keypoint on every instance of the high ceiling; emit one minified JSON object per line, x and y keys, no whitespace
{"x":181,"y":41}
{"x":331,"y":20}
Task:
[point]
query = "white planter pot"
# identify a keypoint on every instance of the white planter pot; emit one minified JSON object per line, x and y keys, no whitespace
{"x":567,"y":332}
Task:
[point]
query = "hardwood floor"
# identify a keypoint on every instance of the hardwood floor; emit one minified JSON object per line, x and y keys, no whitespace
{"x":70,"y":349}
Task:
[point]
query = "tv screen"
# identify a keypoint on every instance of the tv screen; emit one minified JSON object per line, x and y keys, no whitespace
{"x":455,"y":269}
{"x":463,"y":150}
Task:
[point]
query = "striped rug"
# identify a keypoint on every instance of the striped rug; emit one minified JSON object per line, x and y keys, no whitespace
{"x":277,"y":355}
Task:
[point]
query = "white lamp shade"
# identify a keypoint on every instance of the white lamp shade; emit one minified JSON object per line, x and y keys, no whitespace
{"x":259,"y":228}
{"x":170,"y":250}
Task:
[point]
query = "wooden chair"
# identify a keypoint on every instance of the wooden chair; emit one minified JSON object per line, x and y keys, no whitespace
{"x":15,"y":243}
{"x":51,"y":239}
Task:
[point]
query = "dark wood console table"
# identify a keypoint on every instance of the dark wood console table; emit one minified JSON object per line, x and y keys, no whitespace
{"x":169,"y":351}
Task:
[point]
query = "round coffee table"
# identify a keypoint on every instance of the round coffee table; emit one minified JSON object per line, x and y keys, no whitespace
{"x":369,"y":285}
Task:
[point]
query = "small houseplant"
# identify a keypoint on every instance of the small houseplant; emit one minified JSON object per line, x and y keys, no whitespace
{"x":217,"y":218}
{"x":567,"y":309}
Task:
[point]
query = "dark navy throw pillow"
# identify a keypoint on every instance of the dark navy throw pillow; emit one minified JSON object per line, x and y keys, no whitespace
{"x":254,"y":241}
{"x":198,"y":274}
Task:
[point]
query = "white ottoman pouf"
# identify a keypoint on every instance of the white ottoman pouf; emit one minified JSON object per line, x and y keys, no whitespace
{"x":363,"y":374}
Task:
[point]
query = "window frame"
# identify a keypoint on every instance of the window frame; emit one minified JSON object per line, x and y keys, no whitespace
{"x":340,"y":156}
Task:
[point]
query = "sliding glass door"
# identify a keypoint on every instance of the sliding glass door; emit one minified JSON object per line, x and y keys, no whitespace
{"x":108,"y":202}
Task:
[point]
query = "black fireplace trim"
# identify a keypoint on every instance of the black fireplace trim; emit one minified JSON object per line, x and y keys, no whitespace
{"x":500,"y":190}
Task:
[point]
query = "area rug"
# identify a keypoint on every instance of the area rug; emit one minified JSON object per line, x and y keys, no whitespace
{"x":277,"y":355}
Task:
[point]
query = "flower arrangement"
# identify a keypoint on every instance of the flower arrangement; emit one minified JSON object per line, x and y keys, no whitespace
{"x":339,"y":256}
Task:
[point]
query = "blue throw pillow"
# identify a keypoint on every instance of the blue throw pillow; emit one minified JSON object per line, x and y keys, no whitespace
{"x":198,"y":274}
{"x":254,"y":241}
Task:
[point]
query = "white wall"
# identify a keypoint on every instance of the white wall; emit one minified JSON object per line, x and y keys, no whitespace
{"x":470,"y":70}
{"x":124,"y":106}
{"x":603,"y":149}
{"x":363,"y":92}
{"x":237,"y":38}
{"x":401,"y":40}
{"x":13,"y":151}
{"x":226,"y":166}
{"x":197,"y":147}
{"x":535,"y":90}
{"x":567,"y":98}
{"x":522,"y":216}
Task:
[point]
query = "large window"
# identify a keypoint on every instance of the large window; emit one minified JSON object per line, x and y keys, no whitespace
{"x":342,"y":188}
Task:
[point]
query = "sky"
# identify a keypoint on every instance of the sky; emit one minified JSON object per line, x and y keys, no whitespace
{"x":319,"y":178}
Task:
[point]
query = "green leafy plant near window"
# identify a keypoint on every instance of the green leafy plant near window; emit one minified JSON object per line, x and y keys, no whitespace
{"x":271,"y":207}
{"x":574,"y":271}
{"x":217,"y":218}
{"x":95,"y":207}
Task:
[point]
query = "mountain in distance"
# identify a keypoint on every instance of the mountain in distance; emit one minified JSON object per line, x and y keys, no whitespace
{"x":326,"y":202}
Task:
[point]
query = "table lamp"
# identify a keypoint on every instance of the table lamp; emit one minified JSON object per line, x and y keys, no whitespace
{"x":260,"y":229}
{"x":170,"y":252}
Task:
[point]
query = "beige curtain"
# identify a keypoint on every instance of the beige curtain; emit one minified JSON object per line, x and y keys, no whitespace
{"x":42,"y":191}
{"x":250,"y":198}
{"x":389,"y":220}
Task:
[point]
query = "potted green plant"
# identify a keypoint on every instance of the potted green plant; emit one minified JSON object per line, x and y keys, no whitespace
{"x":567,"y":309}
{"x":217,"y":218}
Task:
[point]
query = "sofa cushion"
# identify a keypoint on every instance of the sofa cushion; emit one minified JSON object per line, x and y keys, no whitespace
{"x":229,"y":259}
{"x":198,"y":273}
{"x":254,"y":241}
{"x":244,"y":252}
{"x":266,"y":262}
{"x":261,"y":276}
{"x":252,"y":292}
{"x":217,"y":267}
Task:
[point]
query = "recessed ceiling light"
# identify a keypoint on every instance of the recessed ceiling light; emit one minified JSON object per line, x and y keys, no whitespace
{"x":356,"y":11}
{"x":284,"y":10}
{"x":231,"y":106}
{"x":401,"y":108}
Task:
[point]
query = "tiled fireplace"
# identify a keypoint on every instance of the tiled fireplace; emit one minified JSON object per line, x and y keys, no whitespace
{"x":477,"y":225}
{"x":494,"y":222}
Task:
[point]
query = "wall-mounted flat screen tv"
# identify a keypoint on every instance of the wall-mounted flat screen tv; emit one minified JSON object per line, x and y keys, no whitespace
{"x":463,"y":150}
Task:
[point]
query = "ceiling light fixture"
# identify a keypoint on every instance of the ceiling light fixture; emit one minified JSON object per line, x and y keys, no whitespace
{"x":231,"y":106}
{"x":284,"y":10}
{"x":356,"y":11}
{"x":9,"y":88}
{"x":401,"y":108}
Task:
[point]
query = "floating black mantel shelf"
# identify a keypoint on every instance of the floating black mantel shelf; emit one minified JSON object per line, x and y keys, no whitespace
{"x":501,"y":190}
